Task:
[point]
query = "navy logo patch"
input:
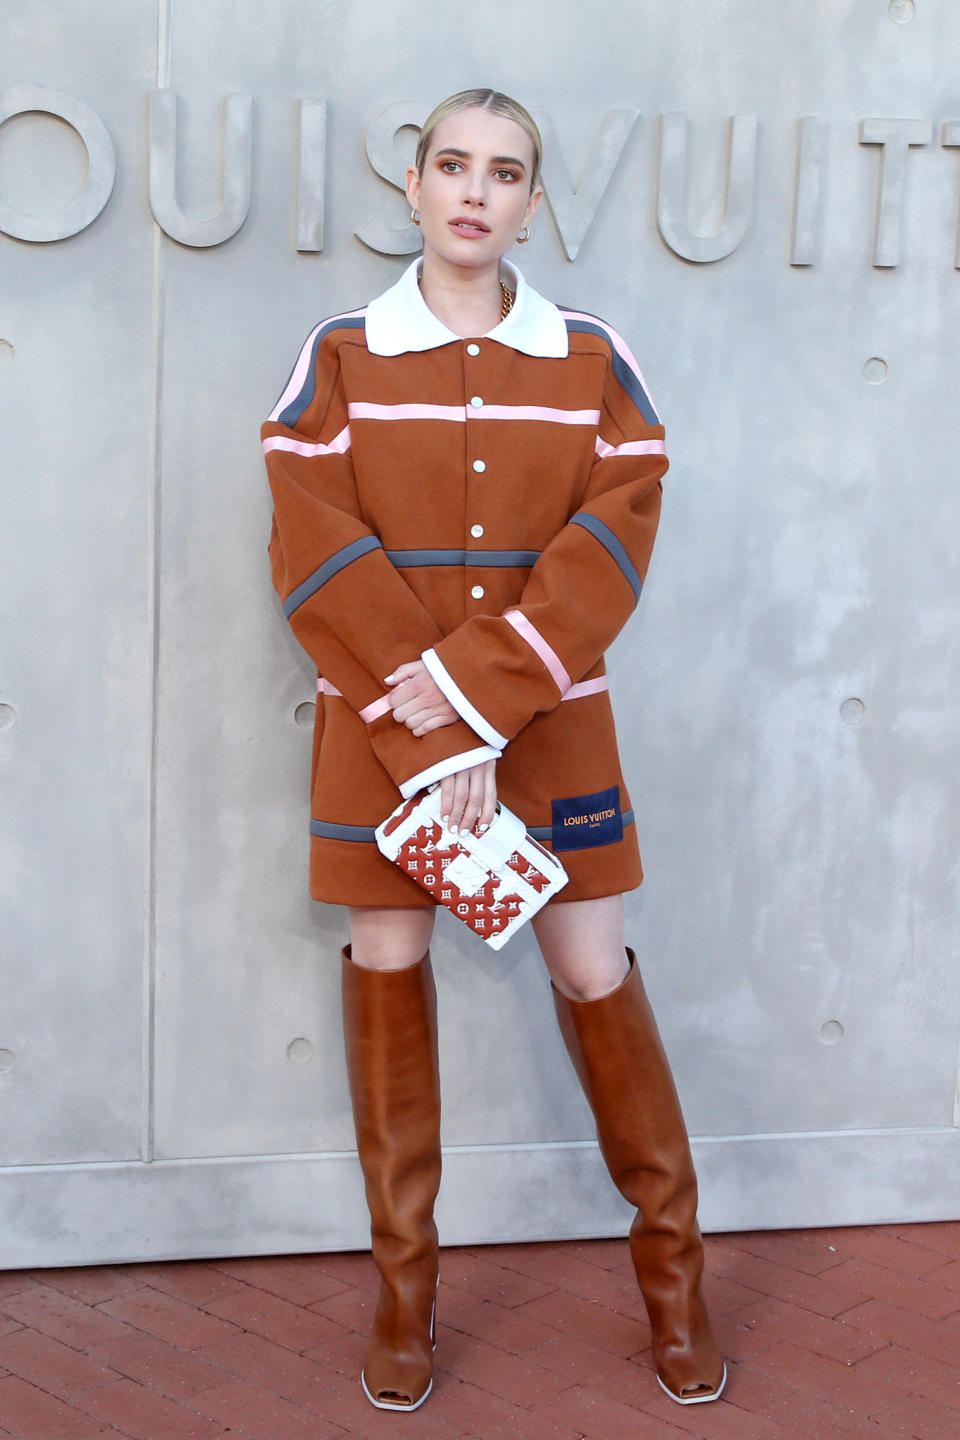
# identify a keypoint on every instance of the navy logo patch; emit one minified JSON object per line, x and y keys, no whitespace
{"x":583,"y":820}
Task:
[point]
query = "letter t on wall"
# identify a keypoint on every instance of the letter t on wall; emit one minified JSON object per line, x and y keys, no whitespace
{"x":895,"y":136}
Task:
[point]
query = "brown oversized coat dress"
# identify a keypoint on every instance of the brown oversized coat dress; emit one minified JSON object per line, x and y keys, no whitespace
{"x":486,"y":503}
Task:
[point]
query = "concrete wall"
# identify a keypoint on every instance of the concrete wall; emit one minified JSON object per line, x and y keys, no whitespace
{"x":171,"y":1073}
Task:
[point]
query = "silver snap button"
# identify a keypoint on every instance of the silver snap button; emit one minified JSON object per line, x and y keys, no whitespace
{"x":476,"y":400}
{"x":476,"y":529}
{"x":479,"y":466}
{"x":473,"y":349}
{"x":477,"y":592}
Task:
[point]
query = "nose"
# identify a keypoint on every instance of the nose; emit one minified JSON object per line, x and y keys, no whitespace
{"x":474,"y":190}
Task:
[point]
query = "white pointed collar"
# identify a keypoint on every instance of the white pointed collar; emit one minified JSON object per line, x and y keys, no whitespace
{"x":400,"y":319}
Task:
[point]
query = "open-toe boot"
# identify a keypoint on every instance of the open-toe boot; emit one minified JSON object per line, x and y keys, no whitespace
{"x":619,"y":1057}
{"x":390,"y":1038}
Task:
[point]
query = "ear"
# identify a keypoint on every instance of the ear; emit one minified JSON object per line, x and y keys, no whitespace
{"x":535,"y":198}
{"x":413,"y":186}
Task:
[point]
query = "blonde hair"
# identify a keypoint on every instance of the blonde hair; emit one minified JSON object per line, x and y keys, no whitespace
{"x":498,"y":104}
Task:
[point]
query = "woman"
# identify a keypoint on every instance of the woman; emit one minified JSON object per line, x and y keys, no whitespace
{"x":466,"y":484}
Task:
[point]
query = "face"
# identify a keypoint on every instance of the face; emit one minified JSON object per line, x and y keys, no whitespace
{"x":474,"y":194}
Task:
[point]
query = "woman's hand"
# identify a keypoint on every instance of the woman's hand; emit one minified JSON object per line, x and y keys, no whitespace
{"x":468,"y":796}
{"x":416,"y":700}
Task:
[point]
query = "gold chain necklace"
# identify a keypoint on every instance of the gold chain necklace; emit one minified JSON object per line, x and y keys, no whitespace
{"x":506,"y":298}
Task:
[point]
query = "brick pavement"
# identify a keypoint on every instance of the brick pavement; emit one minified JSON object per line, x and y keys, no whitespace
{"x":828,"y":1334}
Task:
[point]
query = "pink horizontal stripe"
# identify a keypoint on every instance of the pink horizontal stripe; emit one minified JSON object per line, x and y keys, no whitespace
{"x":534,"y":639}
{"x":534,"y":412}
{"x":587,"y":687}
{"x":630,"y":447}
{"x":618,"y":343}
{"x":295,"y":383}
{"x":339,"y":445}
{"x":366,"y":410}
{"x":369,"y":712}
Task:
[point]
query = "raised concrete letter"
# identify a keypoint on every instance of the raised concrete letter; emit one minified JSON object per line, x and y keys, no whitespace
{"x":82,"y":211}
{"x":574,"y":210}
{"x":382,"y":153}
{"x":895,"y":136}
{"x":237,"y":127}
{"x":741,"y":175}
{"x":313,"y":156}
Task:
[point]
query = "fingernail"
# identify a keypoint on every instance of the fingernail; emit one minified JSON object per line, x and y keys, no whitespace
{"x":454,"y":830}
{"x":388,"y":677}
{"x":483,"y":827}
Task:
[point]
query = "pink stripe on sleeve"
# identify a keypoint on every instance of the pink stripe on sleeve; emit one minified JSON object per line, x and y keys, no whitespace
{"x":339,"y":445}
{"x":296,"y":381}
{"x":630,"y":447}
{"x":374,"y":709}
{"x":587,"y":687}
{"x":618,"y":343}
{"x":369,"y":712}
{"x":536,"y":641}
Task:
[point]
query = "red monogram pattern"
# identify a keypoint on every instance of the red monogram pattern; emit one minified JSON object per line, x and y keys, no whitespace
{"x":488,"y":911}
{"x":535,"y":878}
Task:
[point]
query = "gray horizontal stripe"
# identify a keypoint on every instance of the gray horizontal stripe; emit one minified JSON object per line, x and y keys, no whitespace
{"x":544,"y":832}
{"x":338,"y":561}
{"x":622,"y":370}
{"x":327,"y":830}
{"x":403,"y":558}
{"x":609,"y":541}
{"x":292,"y":412}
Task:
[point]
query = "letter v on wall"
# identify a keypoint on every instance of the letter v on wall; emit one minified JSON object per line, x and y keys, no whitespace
{"x":574,"y":210}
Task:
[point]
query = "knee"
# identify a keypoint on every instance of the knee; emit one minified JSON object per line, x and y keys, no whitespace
{"x":590,"y":984}
{"x":389,"y":939}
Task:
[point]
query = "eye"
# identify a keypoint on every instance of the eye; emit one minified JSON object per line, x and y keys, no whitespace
{"x":506,"y":174}
{"x":450,"y":166}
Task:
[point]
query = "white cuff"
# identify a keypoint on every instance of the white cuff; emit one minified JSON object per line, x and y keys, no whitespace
{"x":459,"y":701}
{"x":450,"y":766}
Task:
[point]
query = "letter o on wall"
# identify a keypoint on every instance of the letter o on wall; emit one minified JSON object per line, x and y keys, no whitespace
{"x":81,"y":212}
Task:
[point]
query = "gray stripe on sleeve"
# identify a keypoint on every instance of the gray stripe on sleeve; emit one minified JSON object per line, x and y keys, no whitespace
{"x":609,"y":541}
{"x":338,"y":561}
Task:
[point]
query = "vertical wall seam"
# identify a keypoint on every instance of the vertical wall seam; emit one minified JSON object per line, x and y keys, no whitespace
{"x":158,"y":278}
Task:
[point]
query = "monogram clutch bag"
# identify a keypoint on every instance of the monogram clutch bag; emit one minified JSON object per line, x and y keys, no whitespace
{"x":492,"y":882}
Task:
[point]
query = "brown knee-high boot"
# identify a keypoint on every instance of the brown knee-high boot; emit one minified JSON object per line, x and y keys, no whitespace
{"x":616,"y":1049}
{"x":390,"y":1036}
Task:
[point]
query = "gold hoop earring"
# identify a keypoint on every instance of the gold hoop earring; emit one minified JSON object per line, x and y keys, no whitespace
{"x":415,"y":216}
{"x":524,"y":236}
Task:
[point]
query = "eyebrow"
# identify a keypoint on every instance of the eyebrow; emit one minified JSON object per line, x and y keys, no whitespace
{"x":496,"y":159}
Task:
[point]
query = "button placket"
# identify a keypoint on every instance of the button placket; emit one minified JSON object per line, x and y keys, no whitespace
{"x":475,"y":402}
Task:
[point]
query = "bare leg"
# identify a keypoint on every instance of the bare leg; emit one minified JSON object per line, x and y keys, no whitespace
{"x":389,"y":937}
{"x":581,"y":942}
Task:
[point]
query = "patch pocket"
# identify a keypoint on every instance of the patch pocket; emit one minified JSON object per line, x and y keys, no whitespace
{"x":580,"y":821}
